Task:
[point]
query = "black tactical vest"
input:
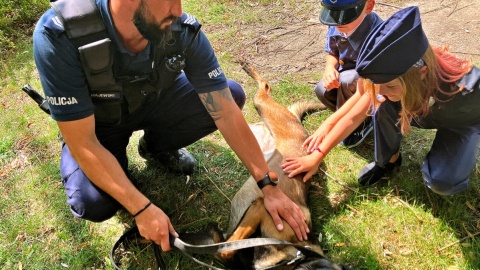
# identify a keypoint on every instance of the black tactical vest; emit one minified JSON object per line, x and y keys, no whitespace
{"x":114,"y":96}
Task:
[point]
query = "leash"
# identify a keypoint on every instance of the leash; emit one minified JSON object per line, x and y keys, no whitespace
{"x":185,"y":249}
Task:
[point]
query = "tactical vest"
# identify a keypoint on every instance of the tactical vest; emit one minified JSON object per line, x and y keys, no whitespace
{"x":115,"y":96}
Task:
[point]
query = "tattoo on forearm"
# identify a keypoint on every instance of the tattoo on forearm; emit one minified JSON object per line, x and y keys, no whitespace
{"x":213,"y":102}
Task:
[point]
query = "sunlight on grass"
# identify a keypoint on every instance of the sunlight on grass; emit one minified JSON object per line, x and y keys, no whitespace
{"x":399,"y":235}
{"x":397,"y":224}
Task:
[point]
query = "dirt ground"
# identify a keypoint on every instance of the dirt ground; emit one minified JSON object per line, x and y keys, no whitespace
{"x":297,"y":46}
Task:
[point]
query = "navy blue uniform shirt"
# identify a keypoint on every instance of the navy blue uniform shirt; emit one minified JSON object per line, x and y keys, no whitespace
{"x":61,"y":72}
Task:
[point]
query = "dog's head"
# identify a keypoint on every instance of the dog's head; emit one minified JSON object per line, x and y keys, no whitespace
{"x":289,"y":258}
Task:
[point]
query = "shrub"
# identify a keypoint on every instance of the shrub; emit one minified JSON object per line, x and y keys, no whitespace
{"x":17,"y":21}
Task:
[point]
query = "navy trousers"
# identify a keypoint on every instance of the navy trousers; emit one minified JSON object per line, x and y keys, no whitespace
{"x":174,"y":119}
{"x":454,"y":151}
{"x":335,"y":98}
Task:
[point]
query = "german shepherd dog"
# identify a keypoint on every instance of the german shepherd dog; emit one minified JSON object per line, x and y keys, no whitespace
{"x":248,"y":216}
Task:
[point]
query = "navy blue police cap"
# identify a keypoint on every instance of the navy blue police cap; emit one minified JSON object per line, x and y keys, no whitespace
{"x":340,"y":12}
{"x":393,"y":47}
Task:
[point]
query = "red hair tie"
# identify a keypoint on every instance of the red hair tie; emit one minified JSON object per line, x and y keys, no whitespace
{"x":320,"y":150}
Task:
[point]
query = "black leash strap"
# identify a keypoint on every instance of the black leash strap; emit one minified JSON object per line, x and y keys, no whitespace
{"x":187,"y":249}
{"x":134,"y":233}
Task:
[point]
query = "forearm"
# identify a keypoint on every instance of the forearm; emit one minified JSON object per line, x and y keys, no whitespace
{"x":331,"y":61}
{"x":240,"y":138}
{"x":100,"y":166}
{"x":333,"y":120}
{"x":103,"y":169}
{"x":235,"y":130}
{"x":347,"y":124}
{"x":231,"y":123}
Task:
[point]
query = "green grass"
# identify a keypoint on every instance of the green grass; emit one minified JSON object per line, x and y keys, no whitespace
{"x":397,"y":225}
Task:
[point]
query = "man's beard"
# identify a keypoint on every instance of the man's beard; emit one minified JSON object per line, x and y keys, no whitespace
{"x":152,"y":31}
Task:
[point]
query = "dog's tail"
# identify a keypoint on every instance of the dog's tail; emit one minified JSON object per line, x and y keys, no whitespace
{"x":300,"y":109}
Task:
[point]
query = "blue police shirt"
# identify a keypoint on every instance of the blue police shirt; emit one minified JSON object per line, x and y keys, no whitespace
{"x":458,"y":111}
{"x":347,"y":48}
{"x":64,"y":82}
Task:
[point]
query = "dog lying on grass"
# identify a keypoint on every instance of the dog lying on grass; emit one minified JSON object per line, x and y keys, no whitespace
{"x":248,"y":216}
{"x":280,"y":135}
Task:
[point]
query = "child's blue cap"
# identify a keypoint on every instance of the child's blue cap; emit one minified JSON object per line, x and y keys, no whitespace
{"x":340,"y":12}
{"x":393,"y":47}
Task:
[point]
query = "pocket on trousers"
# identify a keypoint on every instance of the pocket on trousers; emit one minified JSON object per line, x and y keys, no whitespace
{"x":71,"y":182}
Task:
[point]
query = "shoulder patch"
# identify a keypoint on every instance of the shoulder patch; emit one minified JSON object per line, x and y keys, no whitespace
{"x":189,"y":19}
{"x":185,"y":20}
{"x":55,"y":24}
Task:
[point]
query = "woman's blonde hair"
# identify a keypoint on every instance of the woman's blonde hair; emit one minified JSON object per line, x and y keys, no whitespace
{"x":443,"y":68}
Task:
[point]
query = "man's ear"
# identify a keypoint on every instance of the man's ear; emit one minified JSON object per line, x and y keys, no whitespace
{"x":423,"y":72}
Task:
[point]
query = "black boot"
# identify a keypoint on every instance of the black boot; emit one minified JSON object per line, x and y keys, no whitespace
{"x":180,"y":160}
{"x":373,"y":173}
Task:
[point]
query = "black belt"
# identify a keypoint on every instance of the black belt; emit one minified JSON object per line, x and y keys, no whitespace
{"x":185,"y":249}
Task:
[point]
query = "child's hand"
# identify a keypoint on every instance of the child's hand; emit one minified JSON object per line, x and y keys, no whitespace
{"x":330,"y":78}
{"x":308,"y":164}
{"x":314,"y":140}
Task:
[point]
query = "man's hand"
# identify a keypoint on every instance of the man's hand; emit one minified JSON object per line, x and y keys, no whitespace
{"x":231,"y":123}
{"x":279,"y":205}
{"x":155,"y":225}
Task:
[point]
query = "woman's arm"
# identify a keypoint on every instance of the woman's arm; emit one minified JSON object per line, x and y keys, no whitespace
{"x":335,"y":129}
{"x":347,"y":124}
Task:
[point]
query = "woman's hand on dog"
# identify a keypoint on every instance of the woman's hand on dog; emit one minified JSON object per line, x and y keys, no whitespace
{"x":280,"y":206}
{"x":308,"y":164}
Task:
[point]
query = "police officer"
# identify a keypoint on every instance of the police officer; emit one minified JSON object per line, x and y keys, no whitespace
{"x":101,"y":92}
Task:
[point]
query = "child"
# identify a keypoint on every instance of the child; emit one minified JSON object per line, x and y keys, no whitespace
{"x":349,"y":21}
{"x":425,"y":87}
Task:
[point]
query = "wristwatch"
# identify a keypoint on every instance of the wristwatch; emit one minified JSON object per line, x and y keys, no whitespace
{"x":267,"y":181}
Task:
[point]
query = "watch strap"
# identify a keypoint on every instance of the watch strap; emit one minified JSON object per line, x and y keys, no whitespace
{"x":265,"y":181}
